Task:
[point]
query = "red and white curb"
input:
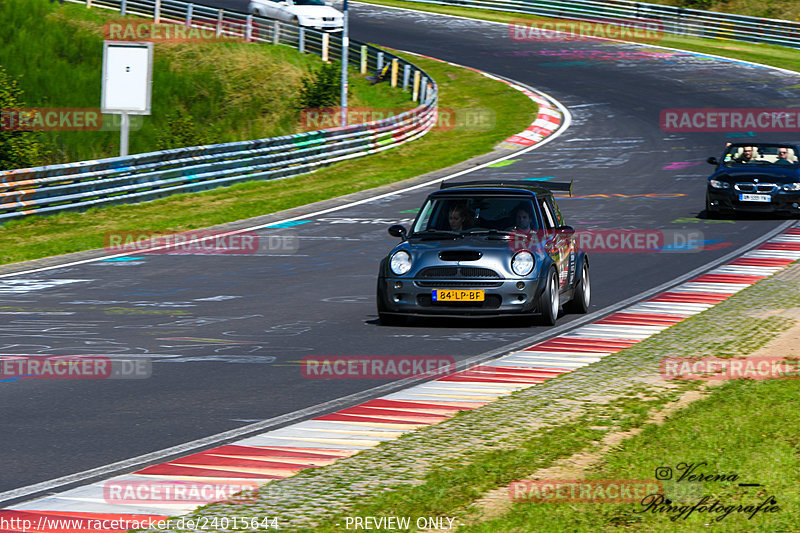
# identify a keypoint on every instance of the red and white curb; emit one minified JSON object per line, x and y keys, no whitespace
{"x":325,"y":439}
{"x":548,"y":120}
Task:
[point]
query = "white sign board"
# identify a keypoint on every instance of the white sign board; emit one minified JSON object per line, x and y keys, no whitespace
{"x":127,"y":77}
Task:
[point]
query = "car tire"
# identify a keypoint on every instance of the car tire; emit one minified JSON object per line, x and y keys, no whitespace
{"x":548,"y":300}
{"x":582,"y":296}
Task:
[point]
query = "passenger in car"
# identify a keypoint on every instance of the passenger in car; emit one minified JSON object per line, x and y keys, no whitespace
{"x":460,"y":217}
{"x":784,"y":157}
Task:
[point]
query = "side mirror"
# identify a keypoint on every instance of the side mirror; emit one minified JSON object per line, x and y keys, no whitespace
{"x":712,"y":161}
{"x":397,"y":230}
{"x":569,"y":230}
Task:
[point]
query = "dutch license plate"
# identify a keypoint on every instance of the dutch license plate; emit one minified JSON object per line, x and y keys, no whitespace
{"x":457,"y":295}
{"x":755,"y":198}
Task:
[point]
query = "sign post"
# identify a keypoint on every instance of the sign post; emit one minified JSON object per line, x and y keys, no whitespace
{"x":127,"y":83}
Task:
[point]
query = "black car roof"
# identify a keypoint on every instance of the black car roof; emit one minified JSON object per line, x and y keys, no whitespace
{"x":528,"y":187}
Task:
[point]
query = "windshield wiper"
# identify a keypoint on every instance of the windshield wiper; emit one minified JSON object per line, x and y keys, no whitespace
{"x":490,"y":232}
{"x":436,"y":233}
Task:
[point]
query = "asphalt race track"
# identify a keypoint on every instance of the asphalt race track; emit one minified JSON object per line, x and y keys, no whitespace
{"x":225,"y":333}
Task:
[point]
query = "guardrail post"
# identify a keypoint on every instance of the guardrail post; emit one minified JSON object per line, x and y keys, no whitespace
{"x":276,"y":31}
{"x":380,"y":62}
{"x":301,"y":44}
{"x":248,"y":28}
{"x":406,"y":76}
{"x":122,"y":7}
{"x":88,"y":4}
{"x":219,"y":22}
{"x":423,"y":85}
{"x":189,"y":10}
{"x":364,"y":56}
{"x":157,"y":12}
{"x":415,"y":90}
{"x":325,"y":39}
{"x":395,"y":67}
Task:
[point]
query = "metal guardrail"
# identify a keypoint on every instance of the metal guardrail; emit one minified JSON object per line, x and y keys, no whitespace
{"x":671,"y":19}
{"x":141,"y":177}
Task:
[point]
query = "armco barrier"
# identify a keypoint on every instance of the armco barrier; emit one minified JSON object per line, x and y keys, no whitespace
{"x":141,"y":177}
{"x":671,"y":19}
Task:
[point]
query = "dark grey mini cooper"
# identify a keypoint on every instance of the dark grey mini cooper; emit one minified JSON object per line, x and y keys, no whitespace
{"x":486,"y":248}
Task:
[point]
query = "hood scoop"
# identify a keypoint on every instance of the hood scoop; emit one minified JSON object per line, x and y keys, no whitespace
{"x":460,"y":255}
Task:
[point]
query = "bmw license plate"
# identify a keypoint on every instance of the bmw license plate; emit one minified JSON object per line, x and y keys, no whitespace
{"x":755,"y":198}
{"x":457,"y":295}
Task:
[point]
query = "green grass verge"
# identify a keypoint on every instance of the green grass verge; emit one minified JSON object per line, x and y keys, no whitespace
{"x":203,"y":93}
{"x":745,"y":428}
{"x":783,"y":9}
{"x":459,"y":90}
{"x":776,"y":56}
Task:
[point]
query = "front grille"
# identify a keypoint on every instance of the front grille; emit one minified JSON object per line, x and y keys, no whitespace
{"x":438,"y":272}
{"x":492,"y":301}
{"x":458,"y":272}
{"x":476,"y":272}
{"x":466,"y":284}
{"x":763,"y":188}
{"x":328,"y":19}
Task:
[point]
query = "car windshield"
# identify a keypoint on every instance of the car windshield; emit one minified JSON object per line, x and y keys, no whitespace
{"x":476,"y":214}
{"x":308,"y":3}
{"x":759,"y":154}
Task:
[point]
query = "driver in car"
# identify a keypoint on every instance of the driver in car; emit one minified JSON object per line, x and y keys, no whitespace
{"x":522,"y":217}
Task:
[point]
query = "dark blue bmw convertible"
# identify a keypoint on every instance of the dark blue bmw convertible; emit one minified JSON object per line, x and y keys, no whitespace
{"x":754,"y":178}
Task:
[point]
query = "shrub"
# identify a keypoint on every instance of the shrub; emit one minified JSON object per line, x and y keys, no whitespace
{"x":321,"y":88}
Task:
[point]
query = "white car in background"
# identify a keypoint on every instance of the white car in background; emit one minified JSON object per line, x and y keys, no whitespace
{"x":308,"y":13}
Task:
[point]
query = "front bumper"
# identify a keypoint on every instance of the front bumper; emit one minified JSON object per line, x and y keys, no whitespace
{"x":324,"y":26}
{"x":781,"y":202}
{"x":501,"y":297}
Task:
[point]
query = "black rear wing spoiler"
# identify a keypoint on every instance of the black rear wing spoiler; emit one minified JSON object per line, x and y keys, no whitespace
{"x":513,"y":184}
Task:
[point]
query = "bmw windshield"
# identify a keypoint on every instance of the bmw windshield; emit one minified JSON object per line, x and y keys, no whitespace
{"x":760,"y":155}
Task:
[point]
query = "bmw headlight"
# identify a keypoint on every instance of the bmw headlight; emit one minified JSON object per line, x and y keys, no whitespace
{"x":522,"y":263}
{"x":719,"y":184}
{"x":400,"y":263}
{"x":791,"y":187}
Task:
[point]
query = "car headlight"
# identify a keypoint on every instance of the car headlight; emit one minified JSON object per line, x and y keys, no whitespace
{"x":719,"y":184}
{"x":400,"y":263}
{"x":791,"y":187}
{"x":522,"y":263}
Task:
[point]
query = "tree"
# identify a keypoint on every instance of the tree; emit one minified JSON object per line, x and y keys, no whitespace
{"x":18,"y":149}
